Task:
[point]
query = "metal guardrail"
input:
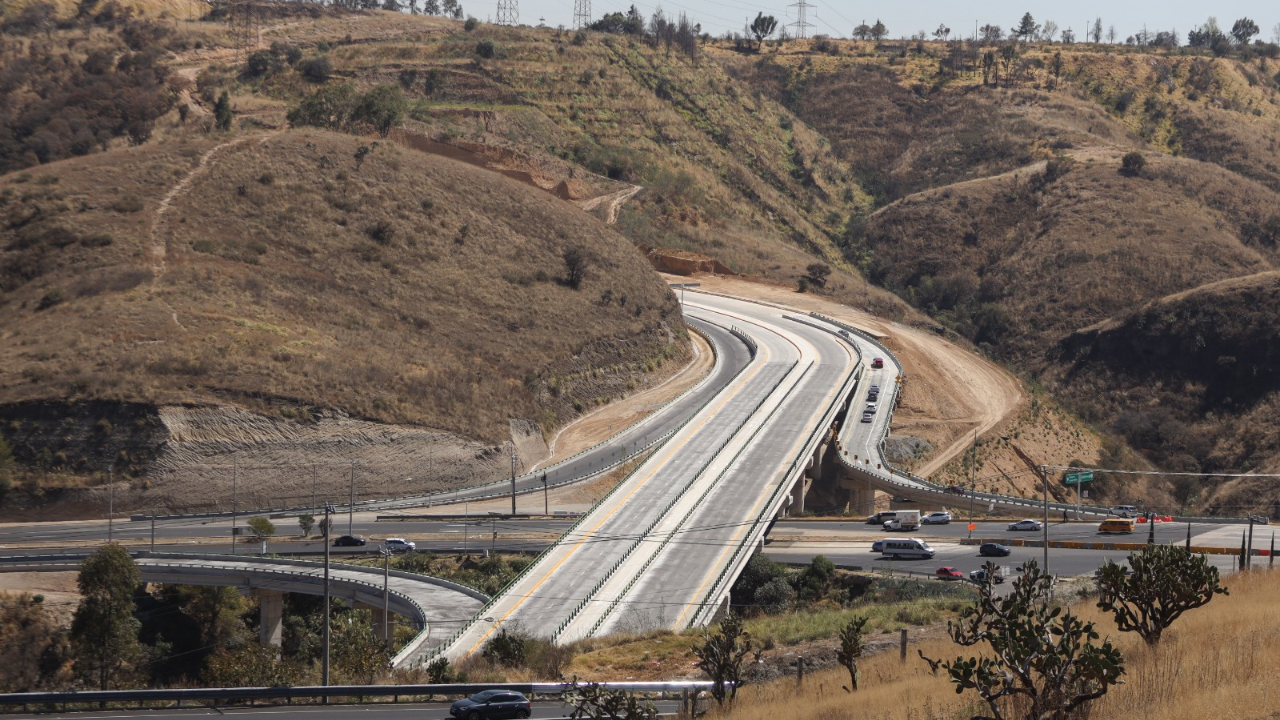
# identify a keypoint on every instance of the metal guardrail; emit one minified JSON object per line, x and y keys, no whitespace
{"x":499,"y":485}
{"x":443,"y":647}
{"x":711,"y":486}
{"x":640,"y":537}
{"x":758,"y":527}
{"x":194,"y":695}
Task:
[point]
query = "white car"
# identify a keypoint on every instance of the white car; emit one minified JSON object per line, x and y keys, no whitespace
{"x":1124,"y":511}
{"x":871,"y":408}
{"x":942,"y":517}
{"x":1026,"y":525}
{"x":398,"y":545}
{"x":866,"y":417}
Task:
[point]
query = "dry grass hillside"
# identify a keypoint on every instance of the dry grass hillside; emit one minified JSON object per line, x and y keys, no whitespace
{"x":275,"y":272}
{"x":1191,"y":675}
{"x":723,"y":170}
{"x":1004,"y":212}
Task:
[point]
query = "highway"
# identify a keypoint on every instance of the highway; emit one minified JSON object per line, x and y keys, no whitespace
{"x":542,"y":710}
{"x":726,"y":458}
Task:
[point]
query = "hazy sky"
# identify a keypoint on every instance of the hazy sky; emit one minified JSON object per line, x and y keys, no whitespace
{"x":837,"y":17}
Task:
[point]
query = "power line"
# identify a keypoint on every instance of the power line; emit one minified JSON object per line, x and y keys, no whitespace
{"x":802,"y":23}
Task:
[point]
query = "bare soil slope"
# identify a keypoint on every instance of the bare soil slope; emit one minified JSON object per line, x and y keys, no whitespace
{"x":286,"y":277}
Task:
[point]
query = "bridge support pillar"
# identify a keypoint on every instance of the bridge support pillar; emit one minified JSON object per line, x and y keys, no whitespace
{"x":271,"y":615}
{"x":380,"y":624}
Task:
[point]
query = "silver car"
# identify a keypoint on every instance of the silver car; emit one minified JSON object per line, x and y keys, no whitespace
{"x":1026,"y":525}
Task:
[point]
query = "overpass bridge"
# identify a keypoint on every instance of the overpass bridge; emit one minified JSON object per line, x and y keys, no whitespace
{"x":436,"y":608}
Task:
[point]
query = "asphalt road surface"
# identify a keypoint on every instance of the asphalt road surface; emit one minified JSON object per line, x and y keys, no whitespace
{"x":418,"y":711}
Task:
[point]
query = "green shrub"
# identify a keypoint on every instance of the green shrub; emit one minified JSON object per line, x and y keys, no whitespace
{"x":1133,"y":163}
{"x":486,"y":49}
{"x":51,"y":298}
{"x":470,"y":24}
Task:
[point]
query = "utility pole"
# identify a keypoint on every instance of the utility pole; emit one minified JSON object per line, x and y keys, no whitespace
{"x":235,"y":472}
{"x":466,"y":524}
{"x":325,"y":665}
{"x":313,"y":486}
{"x":493,"y":541}
{"x":351,"y":498}
{"x":511,"y":447}
{"x":1044,"y":475}
{"x":546,"y":503}
{"x":1248,"y":556}
{"x":386,"y":596}
{"x":153,"y":530}
{"x":802,"y":23}
{"x":973,"y":475}
{"x":581,"y":14}
{"x":111,"y":501}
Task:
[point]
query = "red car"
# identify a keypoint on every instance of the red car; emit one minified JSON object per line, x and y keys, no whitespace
{"x":948,"y":573}
{"x":877,"y":363}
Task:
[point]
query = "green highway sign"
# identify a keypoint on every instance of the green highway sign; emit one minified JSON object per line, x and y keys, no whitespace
{"x":1077,"y":478}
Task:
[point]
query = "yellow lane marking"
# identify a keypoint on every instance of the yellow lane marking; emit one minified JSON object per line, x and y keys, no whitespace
{"x":619,"y":505}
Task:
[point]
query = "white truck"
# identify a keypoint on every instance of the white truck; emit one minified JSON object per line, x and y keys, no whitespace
{"x":904,"y":520}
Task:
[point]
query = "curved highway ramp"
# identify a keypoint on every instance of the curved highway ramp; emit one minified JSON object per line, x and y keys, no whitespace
{"x":436,"y":608}
{"x":663,"y":548}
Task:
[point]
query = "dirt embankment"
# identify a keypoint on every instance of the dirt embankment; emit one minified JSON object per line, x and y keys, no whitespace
{"x":950,"y":392}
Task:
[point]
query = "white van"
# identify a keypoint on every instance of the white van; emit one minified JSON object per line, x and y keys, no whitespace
{"x":906,"y":548}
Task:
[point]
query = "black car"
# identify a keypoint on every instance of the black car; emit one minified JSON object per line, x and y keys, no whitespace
{"x":492,"y":704}
{"x":348,"y":541}
{"x":994,"y":550}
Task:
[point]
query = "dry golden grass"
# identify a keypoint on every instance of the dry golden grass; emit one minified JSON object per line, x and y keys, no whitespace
{"x":1217,"y":661}
{"x":412,"y":289}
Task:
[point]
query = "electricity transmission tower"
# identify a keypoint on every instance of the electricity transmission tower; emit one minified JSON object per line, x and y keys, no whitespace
{"x":581,"y":14}
{"x":244,"y":24}
{"x":508,"y":12}
{"x":802,"y":23}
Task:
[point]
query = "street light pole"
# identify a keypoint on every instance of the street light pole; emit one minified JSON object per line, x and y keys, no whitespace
{"x":1044,"y":476}
{"x":386,"y":596}
{"x":235,"y":473}
{"x":511,"y":447}
{"x":111,"y":501}
{"x":328,"y":526}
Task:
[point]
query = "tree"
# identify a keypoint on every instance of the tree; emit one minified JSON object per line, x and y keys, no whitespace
{"x":1068,"y":37}
{"x":261,"y":528}
{"x":1049,"y":30}
{"x":1027,"y":28}
{"x":1243,"y":30}
{"x":1041,"y":656}
{"x":1111,"y":34}
{"x":222,"y":112}
{"x":1097,"y":30}
{"x":721,"y":655}
{"x":1055,"y":65}
{"x":942,"y":33}
{"x":862,"y":31}
{"x":879,"y":31}
{"x":358,"y":654}
{"x":251,"y":665}
{"x":990,"y":34}
{"x":818,"y":273}
{"x":1275,"y":34}
{"x":1167,"y":580}
{"x":988,"y":65}
{"x":324,"y":527}
{"x":575,"y":267}
{"x":33,"y":642}
{"x":1132,"y":163}
{"x":306,"y":522}
{"x":762,"y":27}
{"x":1008,"y":55}
{"x":382,"y":107}
{"x":104,"y":632}
{"x":774,"y":596}
{"x":851,"y":649}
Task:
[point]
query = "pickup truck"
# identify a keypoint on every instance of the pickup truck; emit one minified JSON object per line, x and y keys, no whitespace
{"x":979,"y":576}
